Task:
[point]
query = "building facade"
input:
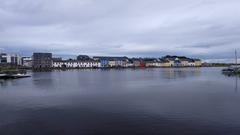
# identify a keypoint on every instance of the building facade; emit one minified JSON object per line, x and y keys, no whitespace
{"x":112,"y":61}
{"x":76,"y":64}
{"x":10,"y":59}
{"x":27,"y":62}
{"x":42,"y":60}
{"x":198,"y":62}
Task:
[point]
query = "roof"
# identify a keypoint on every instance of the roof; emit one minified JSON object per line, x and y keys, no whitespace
{"x":163,"y":60}
{"x":150,"y":59}
{"x":110,"y":58}
{"x":74,"y":61}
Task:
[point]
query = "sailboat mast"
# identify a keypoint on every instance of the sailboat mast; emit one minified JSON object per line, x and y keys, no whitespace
{"x":236,"y":58}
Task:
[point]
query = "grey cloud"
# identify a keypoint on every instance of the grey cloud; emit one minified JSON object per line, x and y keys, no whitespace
{"x":201,"y":28}
{"x":207,"y":45}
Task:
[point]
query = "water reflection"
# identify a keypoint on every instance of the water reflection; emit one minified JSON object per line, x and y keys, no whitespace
{"x":3,"y":83}
{"x":178,"y":73}
{"x":236,"y":78}
{"x":43,"y":80}
{"x":150,"y":101}
{"x":236,"y":84}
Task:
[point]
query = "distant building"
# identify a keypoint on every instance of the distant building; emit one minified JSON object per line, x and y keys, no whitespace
{"x":76,"y":64}
{"x":136,"y":62}
{"x":4,"y":58}
{"x":42,"y":60}
{"x":10,"y":59}
{"x":112,"y":61}
{"x":191,"y":63}
{"x":182,"y":61}
{"x":151,"y":62}
{"x":130,"y":63}
{"x":104,"y":61}
{"x":27,"y":62}
{"x":198,"y":62}
{"x":164,"y":63}
{"x":185,"y":62}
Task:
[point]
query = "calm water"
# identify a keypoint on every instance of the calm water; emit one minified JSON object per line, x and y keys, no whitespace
{"x":120,"y":102}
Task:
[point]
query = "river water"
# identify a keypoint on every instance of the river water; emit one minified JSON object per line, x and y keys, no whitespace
{"x":181,"y":101}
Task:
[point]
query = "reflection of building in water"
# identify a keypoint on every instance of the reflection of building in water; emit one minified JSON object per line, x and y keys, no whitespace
{"x":175,"y":73}
{"x":44,"y":81}
{"x":6,"y":83}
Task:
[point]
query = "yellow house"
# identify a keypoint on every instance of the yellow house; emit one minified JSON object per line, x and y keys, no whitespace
{"x":166,"y":63}
{"x":198,"y":62}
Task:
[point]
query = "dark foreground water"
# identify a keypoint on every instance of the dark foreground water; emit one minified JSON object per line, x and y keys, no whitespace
{"x":187,"y":101}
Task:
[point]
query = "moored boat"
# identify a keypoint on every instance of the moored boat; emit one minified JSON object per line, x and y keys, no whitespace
{"x":13,"y":74}
{"x":234,"y":69}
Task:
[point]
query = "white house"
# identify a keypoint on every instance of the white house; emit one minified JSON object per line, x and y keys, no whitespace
{"x":191,"y":63}
{"x":76,"y":64}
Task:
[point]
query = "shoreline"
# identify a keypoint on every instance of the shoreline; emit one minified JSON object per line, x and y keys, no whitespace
{"x":103,"y":68}
{"x":117,"y":68}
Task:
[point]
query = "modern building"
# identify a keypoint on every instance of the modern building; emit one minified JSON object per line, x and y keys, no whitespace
{"x":42,"y":60}
{"x":4,"y":58}
{"x":10,"y":59}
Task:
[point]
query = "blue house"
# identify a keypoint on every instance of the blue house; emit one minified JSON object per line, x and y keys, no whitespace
{"x":103,"y":60}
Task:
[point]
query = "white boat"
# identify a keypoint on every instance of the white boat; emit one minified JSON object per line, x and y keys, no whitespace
{"x":14,"y":76}
{"x":2,"y":75}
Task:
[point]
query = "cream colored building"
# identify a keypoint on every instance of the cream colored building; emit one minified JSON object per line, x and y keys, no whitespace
{"x":198,"y":63}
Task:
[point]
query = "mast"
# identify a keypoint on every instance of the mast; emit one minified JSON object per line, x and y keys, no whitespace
{"x":236,"y":58}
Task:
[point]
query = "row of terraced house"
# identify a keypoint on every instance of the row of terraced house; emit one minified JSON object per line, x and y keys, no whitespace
{"x":46,"y":60}
{"x":84,"y":61}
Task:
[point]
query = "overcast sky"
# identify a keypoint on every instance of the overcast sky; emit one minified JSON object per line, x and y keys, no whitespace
{"x":196,"y":28}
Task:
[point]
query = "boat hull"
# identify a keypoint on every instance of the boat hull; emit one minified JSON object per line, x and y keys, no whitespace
{"x":13,"y":76}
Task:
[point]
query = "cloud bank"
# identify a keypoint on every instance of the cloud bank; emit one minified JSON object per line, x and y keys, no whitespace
{"x":208,"y":29}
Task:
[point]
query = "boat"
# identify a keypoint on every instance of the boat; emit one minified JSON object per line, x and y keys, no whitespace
{"x":13,"y":74}
{"x":233,"y":69}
